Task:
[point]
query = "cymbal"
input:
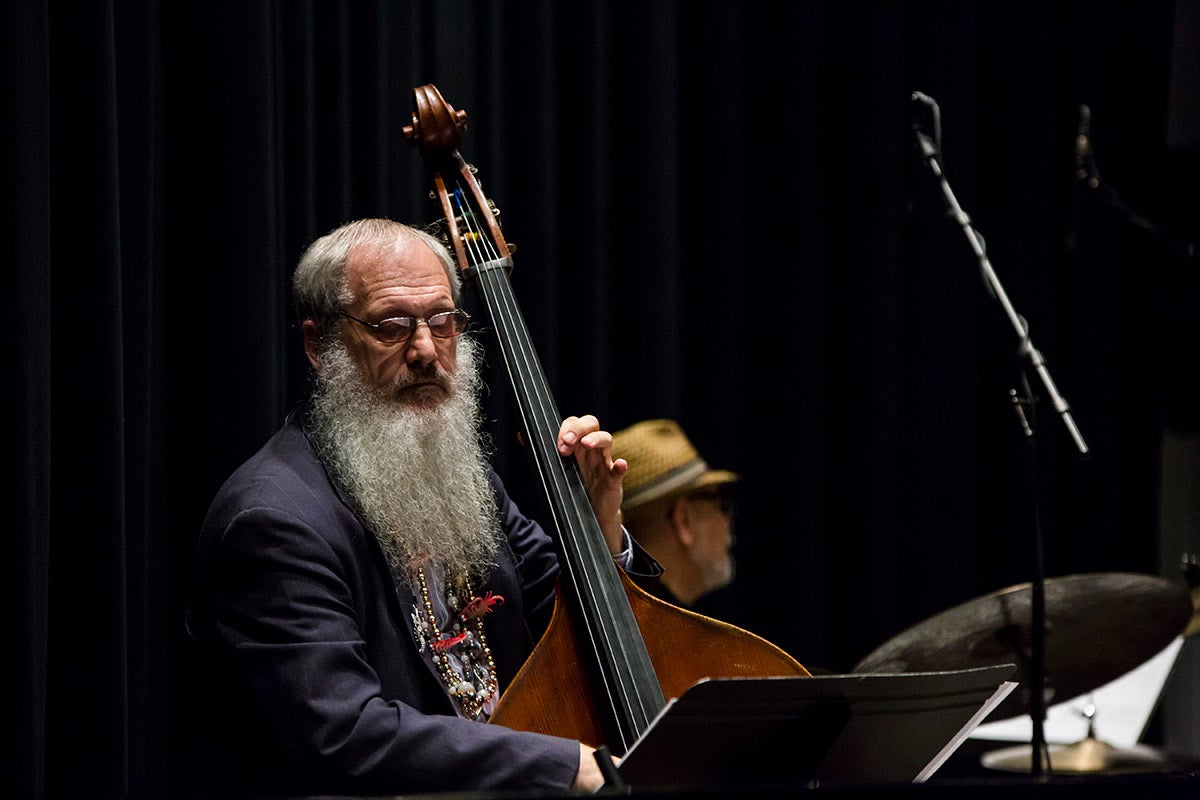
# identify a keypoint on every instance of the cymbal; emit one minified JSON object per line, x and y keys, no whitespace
{"x":1088,"y":756}
{"x":1098,"y":626}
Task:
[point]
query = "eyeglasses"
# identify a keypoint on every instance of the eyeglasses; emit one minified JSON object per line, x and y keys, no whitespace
{"x":396,"y":330}
{"x":724,"y":501}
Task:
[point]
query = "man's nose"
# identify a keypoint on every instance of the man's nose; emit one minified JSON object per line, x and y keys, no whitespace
{"x":421,"y":348}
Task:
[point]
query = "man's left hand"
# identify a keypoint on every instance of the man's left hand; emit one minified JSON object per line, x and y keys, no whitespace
{"x":602,"y":475}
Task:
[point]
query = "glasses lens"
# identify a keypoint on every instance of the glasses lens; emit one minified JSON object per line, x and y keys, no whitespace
{"x":727,"y":506}
{"x":448,"y":323}
{"x":723,"y":501}
{"x":395,"y":329}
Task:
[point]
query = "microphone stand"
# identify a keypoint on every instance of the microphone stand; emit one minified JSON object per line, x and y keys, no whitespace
{"x":1032,"y":358}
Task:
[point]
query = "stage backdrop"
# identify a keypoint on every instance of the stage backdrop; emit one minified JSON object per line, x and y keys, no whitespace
{"x":719,"y":219}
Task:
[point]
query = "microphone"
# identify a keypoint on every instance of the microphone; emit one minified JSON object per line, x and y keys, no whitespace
{"x":924,"y":105}
{"x":1085,"y":157}
{"x":1083,"y":142}
{"x":924,"y":99}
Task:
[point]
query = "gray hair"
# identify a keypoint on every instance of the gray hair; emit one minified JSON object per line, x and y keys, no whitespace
{"x":319,"y":285}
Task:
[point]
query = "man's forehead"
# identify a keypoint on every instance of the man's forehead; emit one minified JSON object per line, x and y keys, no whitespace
{"x":398,"y":260}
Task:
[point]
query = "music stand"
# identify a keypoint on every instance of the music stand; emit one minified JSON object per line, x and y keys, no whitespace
{"x":827,"y":730}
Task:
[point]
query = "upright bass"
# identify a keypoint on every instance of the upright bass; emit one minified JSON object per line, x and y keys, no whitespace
{"x":612,"y":653}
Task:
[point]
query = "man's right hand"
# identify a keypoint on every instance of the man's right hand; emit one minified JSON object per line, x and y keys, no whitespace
{"x":589,"y":778}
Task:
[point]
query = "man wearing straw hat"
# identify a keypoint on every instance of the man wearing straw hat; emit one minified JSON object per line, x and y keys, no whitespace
{"x":678,"y":509}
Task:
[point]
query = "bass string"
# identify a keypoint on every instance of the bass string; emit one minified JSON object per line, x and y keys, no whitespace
{"x":597,"y":594}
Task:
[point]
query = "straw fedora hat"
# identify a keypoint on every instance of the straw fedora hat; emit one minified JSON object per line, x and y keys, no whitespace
{"x":662,"y":462}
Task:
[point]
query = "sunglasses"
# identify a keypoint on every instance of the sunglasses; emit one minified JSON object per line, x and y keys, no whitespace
{"x":723,"y":499}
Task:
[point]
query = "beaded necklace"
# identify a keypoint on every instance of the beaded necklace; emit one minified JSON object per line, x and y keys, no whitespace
{"x":460,"y":651}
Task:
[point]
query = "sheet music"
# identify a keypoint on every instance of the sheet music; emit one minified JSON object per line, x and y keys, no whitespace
{"x":1123,"y":708}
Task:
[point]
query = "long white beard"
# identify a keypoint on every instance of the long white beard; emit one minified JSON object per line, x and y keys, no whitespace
{"x":419,"y":475}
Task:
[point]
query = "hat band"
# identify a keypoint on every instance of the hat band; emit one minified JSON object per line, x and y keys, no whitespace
{"x":677,"y":478}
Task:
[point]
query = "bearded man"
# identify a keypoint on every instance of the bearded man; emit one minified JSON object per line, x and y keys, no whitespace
{"x":364,"y":585}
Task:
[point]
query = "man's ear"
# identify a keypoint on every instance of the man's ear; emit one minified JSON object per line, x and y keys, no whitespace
{"x":312,"y":343}
{"x":680,"y":517}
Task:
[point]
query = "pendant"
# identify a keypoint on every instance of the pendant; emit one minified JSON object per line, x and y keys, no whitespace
{"x":420,"y":631}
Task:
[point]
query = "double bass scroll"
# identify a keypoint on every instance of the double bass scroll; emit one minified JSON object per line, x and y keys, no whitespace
{"x":612,"y":653}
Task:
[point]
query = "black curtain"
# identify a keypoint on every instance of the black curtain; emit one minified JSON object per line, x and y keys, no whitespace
{"x":719,"y":218}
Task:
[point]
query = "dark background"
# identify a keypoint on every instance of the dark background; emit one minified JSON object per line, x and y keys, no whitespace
{"x":719,"y":219}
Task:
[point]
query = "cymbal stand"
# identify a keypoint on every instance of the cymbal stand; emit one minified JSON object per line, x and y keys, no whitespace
{"x":929,"y":148}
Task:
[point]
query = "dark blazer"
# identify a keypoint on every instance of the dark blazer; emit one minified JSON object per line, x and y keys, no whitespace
{"x":310,"y":681}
